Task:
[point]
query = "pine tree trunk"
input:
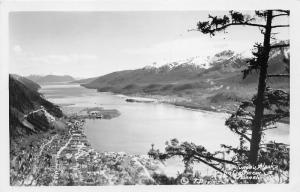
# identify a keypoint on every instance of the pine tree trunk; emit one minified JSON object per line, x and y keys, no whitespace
{"x":259,"y":108}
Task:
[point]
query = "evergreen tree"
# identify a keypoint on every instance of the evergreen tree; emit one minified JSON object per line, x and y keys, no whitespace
{"x":253,"y":117}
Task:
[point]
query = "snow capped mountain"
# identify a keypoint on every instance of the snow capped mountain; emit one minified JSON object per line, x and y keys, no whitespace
{"x":191,"y":73}
{"x":197,"y":62}
{"x":285,"y":51}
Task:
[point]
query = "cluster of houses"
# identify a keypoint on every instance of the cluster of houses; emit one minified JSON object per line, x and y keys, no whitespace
{"x":68,"y":159}
{"x":95,"y":114}
{"x":78,"y":158}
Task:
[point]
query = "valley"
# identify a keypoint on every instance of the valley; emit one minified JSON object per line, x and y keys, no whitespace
{"x":148,"y":97}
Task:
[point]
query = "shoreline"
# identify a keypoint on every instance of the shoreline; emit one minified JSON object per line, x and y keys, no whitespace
{"x":62,"y":157}
{"x":141,"y":98}
{"x":68,"y":158}
{"x":143,"y":161}
{"x":198,"y":108}
{"x":178,"y":104}
{"x":165,"y":99}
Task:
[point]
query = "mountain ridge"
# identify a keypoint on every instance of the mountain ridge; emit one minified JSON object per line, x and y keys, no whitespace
{"x":192,"y":83}
{"x":50,"y":78}
{"x":23,"y":99}
{"x":172,"y":72}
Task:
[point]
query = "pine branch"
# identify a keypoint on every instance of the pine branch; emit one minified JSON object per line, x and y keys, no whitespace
{"x":228,"y":25}
{"x":283,"y":11}
{"x":210,"y":157}
{"x":243,"y":135}
{"x":217,"y":24}
{"x":279,"y":75}
{"x":241,"y":23}
{"x":211,"y":31}
{"x":215,"y":159}
{"x":213,"y":166}
{"x":279,"y":46}
{"x":274,"y":143}
{"x":276,"y":26}
{"x":269,"y":128}
{"x":278,"y":15}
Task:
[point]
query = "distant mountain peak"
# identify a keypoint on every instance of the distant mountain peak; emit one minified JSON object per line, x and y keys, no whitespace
{"x":196,"y":62}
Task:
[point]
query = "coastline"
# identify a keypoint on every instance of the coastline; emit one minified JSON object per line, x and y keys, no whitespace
{"x":182,"y":103}
{"x":65,"y":157}
{"x":143,"y":165}
{"x":174,"y":101}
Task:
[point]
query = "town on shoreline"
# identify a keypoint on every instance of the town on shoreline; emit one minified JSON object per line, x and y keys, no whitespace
{"x":65,"y":157}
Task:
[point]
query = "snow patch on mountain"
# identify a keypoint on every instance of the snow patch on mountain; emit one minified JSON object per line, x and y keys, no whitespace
{"x":197,"y":62}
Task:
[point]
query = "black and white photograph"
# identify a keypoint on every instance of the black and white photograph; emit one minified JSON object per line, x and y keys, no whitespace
{"x":149,"y":97}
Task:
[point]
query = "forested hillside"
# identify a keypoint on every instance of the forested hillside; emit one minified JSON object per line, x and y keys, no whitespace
{"x":197,"y":85}
{"x":23,"y":99}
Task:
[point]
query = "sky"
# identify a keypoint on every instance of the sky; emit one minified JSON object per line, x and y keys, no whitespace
{"x":89,"y":44}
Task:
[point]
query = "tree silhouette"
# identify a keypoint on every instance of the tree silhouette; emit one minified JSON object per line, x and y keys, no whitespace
{"x":258,"y":62}
{"x":253,"y":117}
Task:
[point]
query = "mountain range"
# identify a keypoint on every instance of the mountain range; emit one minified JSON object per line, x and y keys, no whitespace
{"x":213,"y":82}
{"x":170,"y":73}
